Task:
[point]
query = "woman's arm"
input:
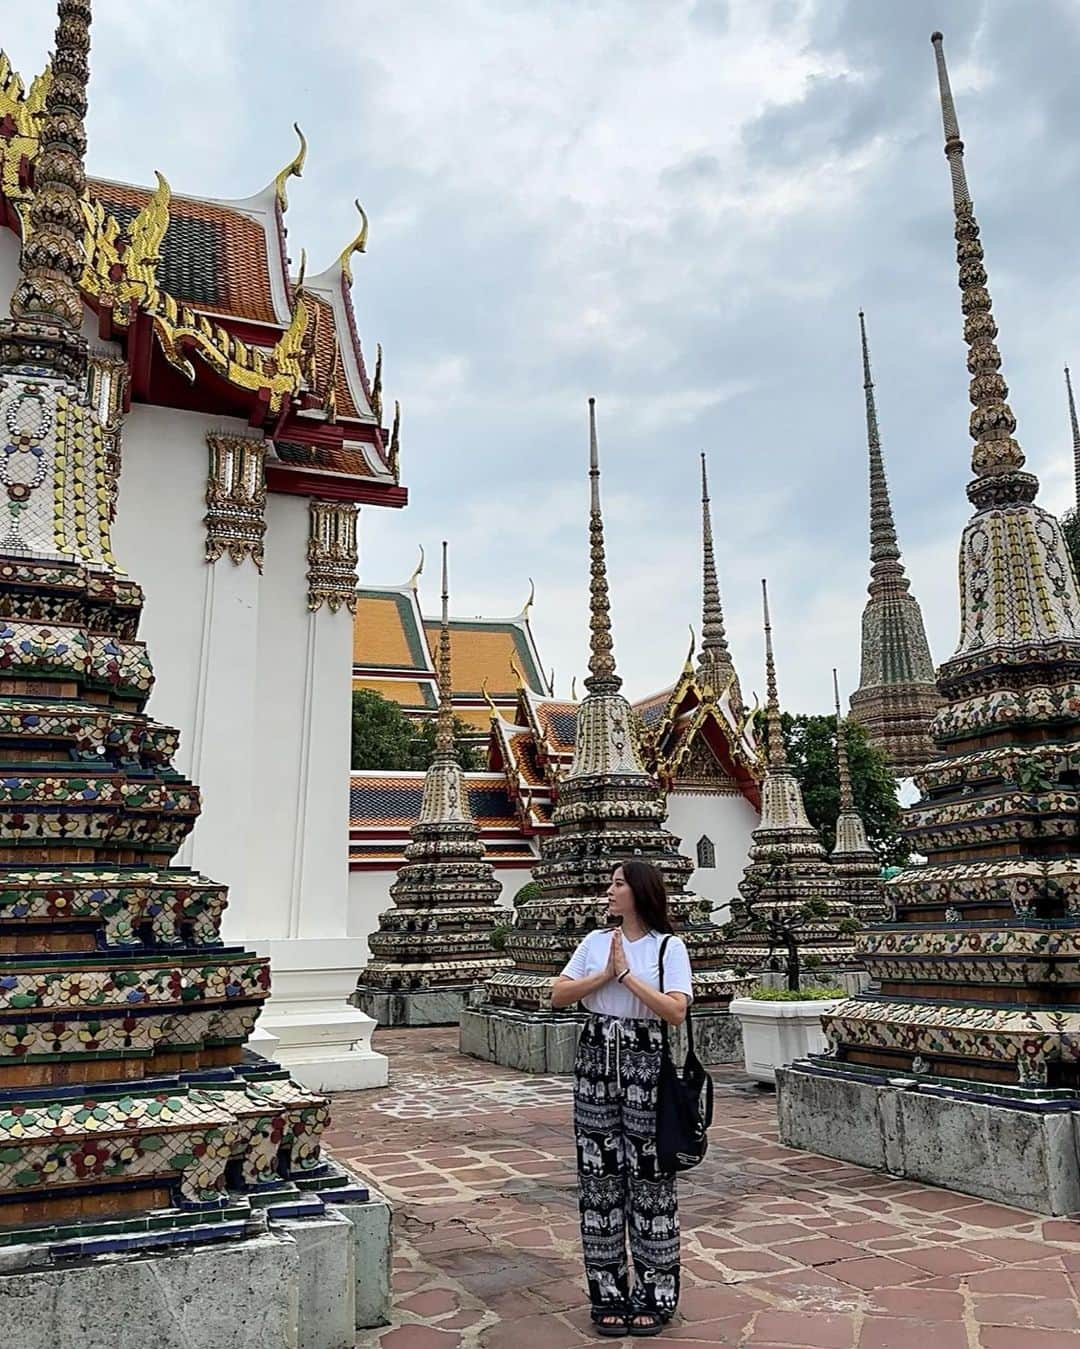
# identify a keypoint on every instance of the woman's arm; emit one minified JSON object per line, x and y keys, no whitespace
{"x":565,"y":990}
{"x":669,"y":1007}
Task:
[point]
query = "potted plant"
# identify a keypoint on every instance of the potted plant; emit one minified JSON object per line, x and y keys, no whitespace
{"x":782,"y":1024}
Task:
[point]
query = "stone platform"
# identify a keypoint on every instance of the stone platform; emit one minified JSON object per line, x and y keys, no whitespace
{"x":424,"y":1007}
{"x":533,"y":1042}
{"x":1025,"y":1153}
{"x":299,"y":1273}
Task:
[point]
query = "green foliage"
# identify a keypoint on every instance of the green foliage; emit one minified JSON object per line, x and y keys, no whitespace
{"x":848,"y":926}
{"x":382,"y":734}
{"x":1070,"y":527}
{"x":810,"y":743}
{"x":384,"y":737}
{"x":498,"y":936}
{"x":424,"y":745}
{"x":530,"y":890}
{"x":813,"y":992}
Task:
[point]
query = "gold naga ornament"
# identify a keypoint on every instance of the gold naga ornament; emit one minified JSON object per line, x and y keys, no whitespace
{"x":120,"y":275}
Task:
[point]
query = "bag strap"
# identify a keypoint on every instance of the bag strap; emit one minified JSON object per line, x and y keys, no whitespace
{"x":689,"y":1013}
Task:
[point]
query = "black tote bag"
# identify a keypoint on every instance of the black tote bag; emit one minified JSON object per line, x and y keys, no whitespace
{"x":684,"y":1100}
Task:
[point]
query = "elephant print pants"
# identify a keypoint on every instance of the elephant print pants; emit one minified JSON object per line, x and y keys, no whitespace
{"x":615,"y":1076}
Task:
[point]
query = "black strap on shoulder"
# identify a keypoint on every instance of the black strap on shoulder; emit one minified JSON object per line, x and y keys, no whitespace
{"x":689,"y":1013}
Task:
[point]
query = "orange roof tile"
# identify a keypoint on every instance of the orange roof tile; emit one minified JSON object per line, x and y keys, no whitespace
{"x":480,"y":656}
{"x":408,"y":693}
{"x":385,"y":631}
{"x":558,"y":721}
{"x":213,"y":257}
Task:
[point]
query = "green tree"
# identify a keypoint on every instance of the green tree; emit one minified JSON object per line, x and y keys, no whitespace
{"x":423,"y":750}
{"x":1070,"y":527}
{"x":384,"y":737}
{"x":810,"y":743}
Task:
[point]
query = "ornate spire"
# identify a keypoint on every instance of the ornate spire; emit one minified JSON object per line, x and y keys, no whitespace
{"x":997,"y":459}
{"x":444,"y":732}
{"x":714,"y":659}
{"x":1075,"y":436}
{"x":847,"y":801}
{"x":602,"y":677}
{"x":776,"y":756}
{"x":896,"y":698}
{"x":46,"y":309}
{"x":884,"y":547}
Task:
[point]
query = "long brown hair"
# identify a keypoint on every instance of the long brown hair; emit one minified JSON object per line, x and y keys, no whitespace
{"x":650,"y":894}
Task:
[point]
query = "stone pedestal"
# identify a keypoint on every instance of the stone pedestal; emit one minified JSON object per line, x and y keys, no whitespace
{"x":1023,"y":1152}
{"x":425,"y":1007}
{"x":323,"y":1041}
{"x":534,"y":1042}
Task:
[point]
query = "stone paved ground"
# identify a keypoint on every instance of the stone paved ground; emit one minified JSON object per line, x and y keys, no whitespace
{"x":780,"y":1248}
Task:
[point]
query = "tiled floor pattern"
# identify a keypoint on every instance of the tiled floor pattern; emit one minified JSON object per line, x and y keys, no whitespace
{"x":781,"y":1250}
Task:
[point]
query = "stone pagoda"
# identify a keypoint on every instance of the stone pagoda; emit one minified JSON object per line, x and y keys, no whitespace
{"x":132,"y":1119}
{"x":896,"y":698}
{"x":963,"y":1069}
{"x":788,"y":866}
{"x":609,"y":808}
{"x":853,"y":859}
{"x":434,"y":946}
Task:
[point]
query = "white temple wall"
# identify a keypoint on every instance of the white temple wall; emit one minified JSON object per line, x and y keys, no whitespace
{"x":369,"y":895}
{"x":727,"y":821}
{"x":200,"y":624}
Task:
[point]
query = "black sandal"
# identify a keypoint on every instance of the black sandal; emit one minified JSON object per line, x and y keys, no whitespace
{"x":645,"y":1323}
{"x":609,"y":1321}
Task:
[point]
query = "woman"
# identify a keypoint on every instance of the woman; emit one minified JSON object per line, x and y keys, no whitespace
{"x":615,"y":975}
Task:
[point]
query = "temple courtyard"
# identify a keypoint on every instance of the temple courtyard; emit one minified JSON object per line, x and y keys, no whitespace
{"x":779,"y":1248}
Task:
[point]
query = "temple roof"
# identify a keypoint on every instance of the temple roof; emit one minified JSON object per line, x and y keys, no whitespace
{"x":383,"y":807}
{"x":223,"y":258}
{"x":393,"y":646}
{"x":196,"y":294}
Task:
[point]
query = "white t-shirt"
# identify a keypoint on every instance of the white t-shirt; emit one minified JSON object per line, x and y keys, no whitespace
{"x":642,"y":956}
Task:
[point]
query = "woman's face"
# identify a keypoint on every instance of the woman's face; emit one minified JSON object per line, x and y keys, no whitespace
{"x":620,"y":896}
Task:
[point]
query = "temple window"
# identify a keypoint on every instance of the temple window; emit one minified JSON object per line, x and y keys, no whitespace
{"x":706,"y":852}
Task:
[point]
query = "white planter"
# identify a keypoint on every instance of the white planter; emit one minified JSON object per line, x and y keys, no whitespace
{"x":775,"y":1034}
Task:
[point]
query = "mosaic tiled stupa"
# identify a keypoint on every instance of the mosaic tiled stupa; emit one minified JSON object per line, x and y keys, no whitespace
{"x":788,"y":867}
{"x":896,"y":698}
{"x":853,"y":859}
{"x":434,"y":946}
{"x":964,"y":1069}
{"x":609,"y":809}
{"x":125,"y":1086}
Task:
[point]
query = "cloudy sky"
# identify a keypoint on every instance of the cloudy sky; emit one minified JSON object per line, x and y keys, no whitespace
{"x":677,"y":206}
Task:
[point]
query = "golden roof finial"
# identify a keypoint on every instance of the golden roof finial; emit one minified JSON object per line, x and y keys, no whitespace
{"x":47,"y":308}
{"x":293,"y":169}
{"x":602,"y":677}
{"x":495,"y":713}
{"x":299,"y":286}
{"x":688,"y":665}
{"x":376,"y":387}
{"x":573,"y":688}
{"x":530,"y":601}
{"x":414,"y":580}
{"x":515,"y":670}
{"x":772,"y":701}
{"x":551,"y":683}
{"x":997,"y":459}
{"x":358,"y":244}
{"x":444,"y":730}
{"x":394,"y":455}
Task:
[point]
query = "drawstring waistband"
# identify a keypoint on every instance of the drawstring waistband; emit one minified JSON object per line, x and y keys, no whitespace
{"x":613,"y":1036}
